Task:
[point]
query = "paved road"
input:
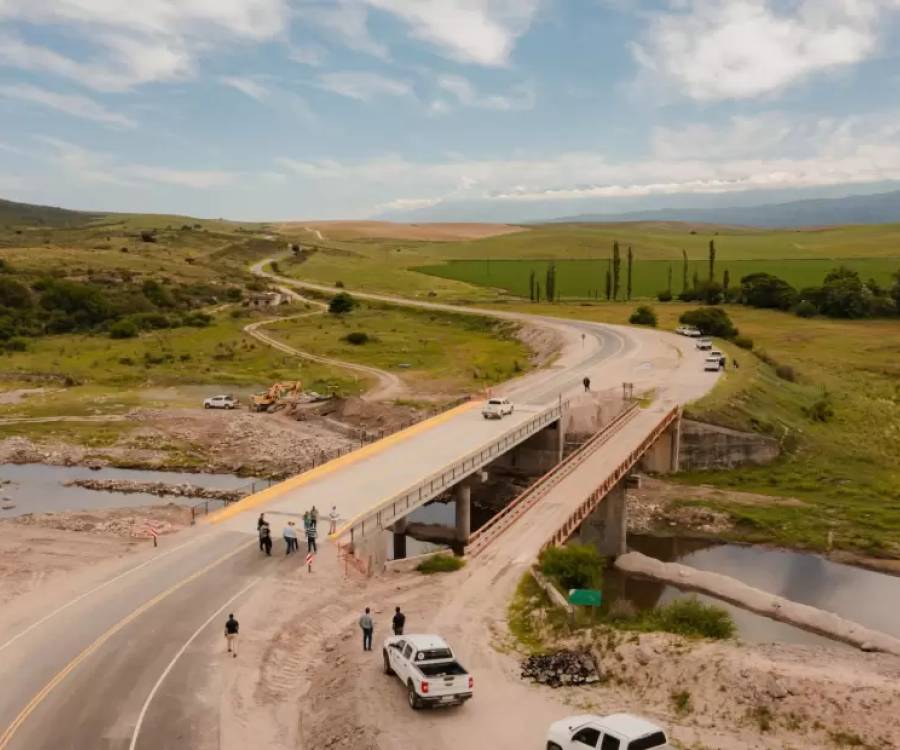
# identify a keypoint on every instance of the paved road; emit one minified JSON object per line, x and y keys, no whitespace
{"x":81,"y":678}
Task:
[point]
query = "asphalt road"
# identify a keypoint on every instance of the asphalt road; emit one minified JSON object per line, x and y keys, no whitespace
{"x":84,"y":677}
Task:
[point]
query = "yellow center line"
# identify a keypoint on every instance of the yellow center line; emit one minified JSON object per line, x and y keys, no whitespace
{"x":7,"y":736}
{"x":270,"y":493}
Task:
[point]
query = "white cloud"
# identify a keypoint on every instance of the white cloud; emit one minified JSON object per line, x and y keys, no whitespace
{"x":74,"y":105}
{"x":363,"y":85}
{"x":247,"y":86}
{"x":474,"y":31}
{"x":307,"y":54}
{"x":348,"y":21}
{"x":736,"y":49}
{"x":461,"y":89}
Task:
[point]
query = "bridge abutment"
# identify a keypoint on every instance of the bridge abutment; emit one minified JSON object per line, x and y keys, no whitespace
{"x":663,"y":457}
{"x":614,"y":541}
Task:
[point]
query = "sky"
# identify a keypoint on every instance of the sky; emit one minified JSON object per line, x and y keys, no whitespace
{"x":488,"y":109}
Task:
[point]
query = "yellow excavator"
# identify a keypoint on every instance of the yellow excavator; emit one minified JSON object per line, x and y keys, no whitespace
{"x":277,"y":396}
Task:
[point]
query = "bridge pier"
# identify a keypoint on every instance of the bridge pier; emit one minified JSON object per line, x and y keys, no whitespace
{"x":615,"y":530}
{"x":399,"y":529}
{"x":537,"y":455}
{"x":663,"y":457}
{"x":463,"y":494}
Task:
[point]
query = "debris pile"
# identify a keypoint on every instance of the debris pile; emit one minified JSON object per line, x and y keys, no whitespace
{"x":562,"y":668}
{"x":160,"y":489}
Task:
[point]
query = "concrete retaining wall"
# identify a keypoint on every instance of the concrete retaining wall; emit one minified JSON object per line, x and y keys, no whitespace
{"x":707,"y":446}
{"x":408,"y":564}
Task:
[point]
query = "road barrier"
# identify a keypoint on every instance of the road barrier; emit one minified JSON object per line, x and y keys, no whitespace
{"x":589,"y":505}
{"x":483,"y":536}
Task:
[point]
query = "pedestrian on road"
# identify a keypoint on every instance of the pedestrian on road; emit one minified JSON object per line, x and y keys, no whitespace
{"x":313,"y":516}
{"x":265,"y":538}
{"x":332,"y":519}
{"x":398,"y":622}
{"x":311,"y":535}
{"x":587,"y":384}
{"x":290,"y":538}
{"x":231,"y":634}
{"x":367,"y":626}
{"x":260,"y":521}
{"x":306,"y":520}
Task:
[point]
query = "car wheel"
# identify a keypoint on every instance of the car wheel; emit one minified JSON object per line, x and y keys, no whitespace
{"x":553,"y":746}
{"x":387,"y":663}
{"x":412,"y":698}
{"x":205,"y":406}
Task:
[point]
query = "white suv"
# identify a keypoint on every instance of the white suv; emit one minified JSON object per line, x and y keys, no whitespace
{"x":220,"y":402}
{"x":615,"y":732}
{"x":497,"y":408}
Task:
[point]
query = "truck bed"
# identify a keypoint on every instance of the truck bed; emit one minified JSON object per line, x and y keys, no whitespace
{"x":442,"y":669}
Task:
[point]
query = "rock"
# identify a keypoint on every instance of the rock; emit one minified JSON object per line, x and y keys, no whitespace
{"x":775,"y":689}
{"x":643,"y":658}
{"x":561,"y":668}
{"x":7,"y":505}
{"x":329,"y":647}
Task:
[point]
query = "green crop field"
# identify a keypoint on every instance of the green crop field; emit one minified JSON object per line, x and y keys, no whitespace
{"x":580,"y":279}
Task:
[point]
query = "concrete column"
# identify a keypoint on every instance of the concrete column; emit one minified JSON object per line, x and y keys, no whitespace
{"x":615,"y":538}
{"x":560,"y":439}
{"x":399,"y":529}
{"x":675,"y":463}
{"x":463,"y":512}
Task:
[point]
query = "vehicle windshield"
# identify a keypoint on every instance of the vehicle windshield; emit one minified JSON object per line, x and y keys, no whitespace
{"x":434,"y":653}
{"x":495,"y":402}
{"x":657,"y":739}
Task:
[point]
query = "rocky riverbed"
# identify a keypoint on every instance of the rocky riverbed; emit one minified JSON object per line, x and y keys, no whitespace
{"x":160,"y":489}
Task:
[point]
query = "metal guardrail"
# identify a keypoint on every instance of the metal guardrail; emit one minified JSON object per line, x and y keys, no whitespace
{"x":483,"y":536}
{"x":589,"y":505}
{"x":394,"y":508}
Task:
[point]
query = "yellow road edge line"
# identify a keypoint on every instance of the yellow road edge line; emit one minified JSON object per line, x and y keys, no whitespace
{"x":23,"y":715}
{"x":270,"y":493}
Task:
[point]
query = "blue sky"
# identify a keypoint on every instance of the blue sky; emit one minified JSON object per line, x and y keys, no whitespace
{"x":498,"y":109}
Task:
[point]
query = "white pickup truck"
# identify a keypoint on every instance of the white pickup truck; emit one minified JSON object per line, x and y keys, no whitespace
{"x":428,"y":668}
{"x":614,"y":732}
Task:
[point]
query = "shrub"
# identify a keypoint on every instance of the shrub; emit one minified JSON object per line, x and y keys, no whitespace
{"x":234,"y":294}
{"x":692,"y":618}
{"x":786,"y":372}
{"x":341,"y":303}
{"x":197,"y":319}
{"x":643,"y":316}
{"x":745,"y":342}
{"x":339,"y":284}
{"x":16,"y":345}
{"x":710,"y":292}
{"x":357,"y":338}
{"x":688,"y":295}
{"x":148,"y":236}
{"x":575,"y":566}
{"x":805,"y":309}
{"x":664,"y":296}
{"x":123,"y":329}
{"x":150,"y":321}
{"x":711,"y":321}
{"x":765,"y":290}
{"x":845,"y":296}
{"x":15,"y":294}
{"x":821,"y":410}
{"x":681,"y":702}
{"x":440,"y":564}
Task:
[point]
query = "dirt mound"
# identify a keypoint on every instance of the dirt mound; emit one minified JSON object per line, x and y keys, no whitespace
{"x":372,"y":415}
{"x":122,"y":522}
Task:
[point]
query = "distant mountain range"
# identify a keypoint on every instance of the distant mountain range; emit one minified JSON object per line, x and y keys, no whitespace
{"x":880,"y":208}
{"x":26,"y":214}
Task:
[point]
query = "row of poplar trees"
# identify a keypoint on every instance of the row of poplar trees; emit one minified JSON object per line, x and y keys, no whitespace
{"x":613,"y":276}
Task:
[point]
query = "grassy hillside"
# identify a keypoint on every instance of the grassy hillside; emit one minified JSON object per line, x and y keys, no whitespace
{"x":13,"y":215}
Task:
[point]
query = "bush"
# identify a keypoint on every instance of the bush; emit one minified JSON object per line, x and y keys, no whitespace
{"x":745,"y":342}
{"x":711,"y":321}
{"x":15,"y":294}
{"x":821,"y":409}
{"x":845,"y":295}
{"x":16,"y":345}
{"x":357,"y":338}
{"x":692,"y":618}
{"x":440,"y":564}
{"x":123,"y":329}
{"x":234,"y":294}
{"x":805,"y":309}
{"x":710,"y":292}
{"x":339,"y":284}
{"x":575,"y":566}
{"x":767,"y":291}
{"x":688,"y":295}
{"x":786,"y":372}
{"x":664,"y":296}
{"x":197,"y":319}
{"x":148,"y":236}
{"x":643,"y":316}
{"x":150,"y":321}
{"x":341,"y":303}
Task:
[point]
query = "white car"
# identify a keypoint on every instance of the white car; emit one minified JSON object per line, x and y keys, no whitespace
{"x":426,"y":665}
{"x":712,"y":364}
{"x":704,"y":344}
{"x":223,"y":401}
{"x":614,"y":732}
{"x":497,"y":408}
{"x":688,"y":331}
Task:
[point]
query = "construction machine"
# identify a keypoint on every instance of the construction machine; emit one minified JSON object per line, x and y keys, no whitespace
{"x":277,"y":396}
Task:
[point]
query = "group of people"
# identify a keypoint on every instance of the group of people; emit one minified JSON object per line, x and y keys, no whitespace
{"x":367,"y":625}
{"x":291,"y":540}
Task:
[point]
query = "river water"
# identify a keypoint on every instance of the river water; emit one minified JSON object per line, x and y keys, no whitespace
{"x":863,"y":596}
{"x":37,"y":488}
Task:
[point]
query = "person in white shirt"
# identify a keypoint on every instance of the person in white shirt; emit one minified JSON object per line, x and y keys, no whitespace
{"x":332,"y":519}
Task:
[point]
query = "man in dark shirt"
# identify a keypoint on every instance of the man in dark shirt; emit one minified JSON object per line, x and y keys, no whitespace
{"x":231,"y":634}
{"x":399,"y":621}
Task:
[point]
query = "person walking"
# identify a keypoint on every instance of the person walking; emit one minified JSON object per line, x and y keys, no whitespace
{"x":307,"y":519}
{"x":260,"y":521}
{"x":314,"y":516}
{"x":311,"y":535}
{"x":265,"y":538}
{"x":367,"y":627}
{"x":398,"y":621}
{"x":587,"y":384}
{"x":289,"y":535}
{"x":332,"y":519}
{"x":231,"y":634}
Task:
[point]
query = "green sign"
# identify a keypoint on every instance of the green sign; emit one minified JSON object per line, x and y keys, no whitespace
{"x":585,"y":597}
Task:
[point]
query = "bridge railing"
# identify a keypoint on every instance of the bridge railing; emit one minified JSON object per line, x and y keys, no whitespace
{"x":400,"y":505}
{"x":483,"y":536}
{"x":589,"y":505}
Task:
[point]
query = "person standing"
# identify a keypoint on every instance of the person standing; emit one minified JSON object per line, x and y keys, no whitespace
{"x":311,"y":535}
{"x":313,"y":516}
{"x":260,"y":521}
{"x":332,"y":519}
{"x":289,"y":537}
{"x":367,"y":627}
{"x":307,"y":519}
{"x":265,"y":538}
{"x":587,"y":384}
{"x":398,"y":622}
{"x":231,"y":634}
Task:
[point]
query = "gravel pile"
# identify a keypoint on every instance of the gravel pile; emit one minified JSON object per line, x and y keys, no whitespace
{"x":561,"y":668}
{"x":160,"y":489}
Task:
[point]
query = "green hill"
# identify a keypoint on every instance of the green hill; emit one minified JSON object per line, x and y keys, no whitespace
{"x":28,"y":215}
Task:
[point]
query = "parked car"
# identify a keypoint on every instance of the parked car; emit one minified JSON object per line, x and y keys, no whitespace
{"x":222,"y":401}
{"x":704,"y":344}
{"x":712,"y":364}
{"x":426,"y":665}
{"x":614,"y":732}
{"x":497,"y":408}
{"x":688,"y":331}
